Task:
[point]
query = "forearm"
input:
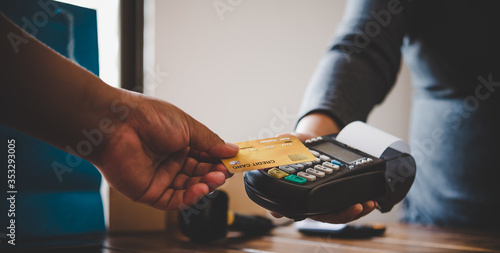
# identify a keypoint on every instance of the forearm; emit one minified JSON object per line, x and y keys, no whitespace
{"x":46,"y":95}
{"x":352,"y":78}
{"x":317,"y":124}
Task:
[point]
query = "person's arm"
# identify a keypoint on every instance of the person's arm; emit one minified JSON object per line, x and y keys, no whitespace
{"x":354,"y":75}
{"x":317,"y":124}
{"x":361,"y":66}
{"x":145,"y":148}
{"x":45,"y":94}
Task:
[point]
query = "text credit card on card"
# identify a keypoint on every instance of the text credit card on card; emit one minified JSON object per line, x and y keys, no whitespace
{"x":268,"y":153}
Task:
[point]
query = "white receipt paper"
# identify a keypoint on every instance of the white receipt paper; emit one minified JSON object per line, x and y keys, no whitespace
{"x":370,"y":140}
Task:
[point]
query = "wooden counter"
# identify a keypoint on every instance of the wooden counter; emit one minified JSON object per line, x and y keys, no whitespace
{"x":398,"y":238}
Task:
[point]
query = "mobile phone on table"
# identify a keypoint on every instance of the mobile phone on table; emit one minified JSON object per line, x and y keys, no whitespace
{"x":316,"y":228}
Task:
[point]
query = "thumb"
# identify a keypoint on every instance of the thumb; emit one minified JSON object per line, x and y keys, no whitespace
{"x":204,"y":140}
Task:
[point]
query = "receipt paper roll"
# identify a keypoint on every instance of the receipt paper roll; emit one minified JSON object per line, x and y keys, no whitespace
{"x":370,"y":140}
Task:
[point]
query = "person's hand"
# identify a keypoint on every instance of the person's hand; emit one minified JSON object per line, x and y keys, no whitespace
{"x":160,"y":156}
{"x":348,"y":214}
{"x":147,"y":149}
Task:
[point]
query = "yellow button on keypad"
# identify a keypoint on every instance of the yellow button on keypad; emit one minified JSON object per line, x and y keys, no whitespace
{"x":277,"y":173}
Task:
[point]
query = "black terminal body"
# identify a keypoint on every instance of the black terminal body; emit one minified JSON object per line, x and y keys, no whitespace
{"x":340,"y":177}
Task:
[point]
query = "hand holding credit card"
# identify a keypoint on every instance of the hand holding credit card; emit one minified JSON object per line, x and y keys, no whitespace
{"x":268,"y":153}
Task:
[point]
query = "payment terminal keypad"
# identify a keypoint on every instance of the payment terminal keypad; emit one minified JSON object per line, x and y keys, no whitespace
{"x":320,"y":169}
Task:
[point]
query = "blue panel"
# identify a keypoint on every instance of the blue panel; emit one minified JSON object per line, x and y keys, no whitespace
{"x":48,"y":205}
{"x":67,"y":24}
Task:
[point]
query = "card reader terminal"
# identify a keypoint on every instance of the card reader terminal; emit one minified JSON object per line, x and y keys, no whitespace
{"x":339,"y":177}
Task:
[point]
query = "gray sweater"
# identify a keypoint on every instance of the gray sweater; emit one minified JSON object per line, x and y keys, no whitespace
{"x":453,"y":51}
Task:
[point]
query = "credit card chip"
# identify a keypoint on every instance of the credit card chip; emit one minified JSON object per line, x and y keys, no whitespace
{"x":297,"y":157}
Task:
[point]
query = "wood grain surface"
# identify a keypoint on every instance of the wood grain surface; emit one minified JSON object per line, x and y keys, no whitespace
{"x":398,"y":238}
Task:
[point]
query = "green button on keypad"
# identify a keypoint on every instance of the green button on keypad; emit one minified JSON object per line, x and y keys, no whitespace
{"x":295,"y":179}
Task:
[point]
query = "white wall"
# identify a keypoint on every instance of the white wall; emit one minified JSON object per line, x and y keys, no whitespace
{"x":238,"y":71}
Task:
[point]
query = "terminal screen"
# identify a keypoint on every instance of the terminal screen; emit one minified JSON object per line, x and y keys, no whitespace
{"x":337,"y":152}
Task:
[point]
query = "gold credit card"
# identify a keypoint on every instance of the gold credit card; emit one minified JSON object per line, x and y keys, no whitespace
{"x":268,"y":153}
